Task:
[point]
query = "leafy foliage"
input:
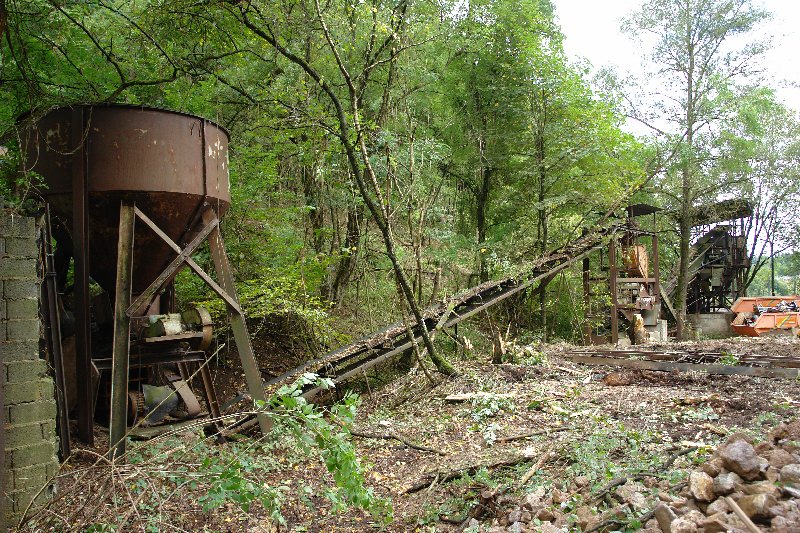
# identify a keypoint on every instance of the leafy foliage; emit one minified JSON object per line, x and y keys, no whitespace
{"x":235,"y":473}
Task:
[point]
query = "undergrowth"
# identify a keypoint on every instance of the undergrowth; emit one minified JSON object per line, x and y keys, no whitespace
{"x":160,"y":484}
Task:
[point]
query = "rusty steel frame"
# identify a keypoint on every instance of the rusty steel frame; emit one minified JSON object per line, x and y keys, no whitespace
{"x":80,"y":239}
{"x":52,"y":322}
{"x":124,"y":310}
{"x":183,"y":259}
{"x":237,"y":320}
{"x":613,"y":279}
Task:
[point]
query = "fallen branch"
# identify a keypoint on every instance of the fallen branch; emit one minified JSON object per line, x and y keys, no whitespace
{"x":468,"y":396}
{"x":532,"y":470}
{"x":534,"y":434}
{"x":449,"y":475}
{"x":616,"y":482}
{"x":393,"y":436}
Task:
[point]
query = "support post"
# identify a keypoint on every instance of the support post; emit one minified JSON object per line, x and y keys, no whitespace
{"x":122,"y":326}
{"x":587,"y":303}
{"x":80,"y":253}
{"x":656,"y":271}
{"x":236,"y":317}
{"x":612,"y":284}
{"x":49,"y":299}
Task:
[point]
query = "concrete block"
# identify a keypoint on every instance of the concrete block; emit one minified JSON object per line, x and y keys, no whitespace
{"x":3,"y":312}
{"x":16,"y":226}
{"x":20,"y":371}
{"x":18,"y":268}
{"x":26,"y":413}
{"x":49,"y":430}
{"x":36,"y":454}
{"x":24,"y":308}
{"x":32,"y":477}
{"x":18,"y":247}
{"x":22,"y":499}
{"x":52,"y":469}
{"x":714,"y":325}
{"x":21,"y":330}
{"x":15,"y":289}
{"x":29,"y":391}
{"x":19,"y":350}
{"x":18,"y":436}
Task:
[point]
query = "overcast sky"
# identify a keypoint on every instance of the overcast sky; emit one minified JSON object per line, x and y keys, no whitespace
{"x":592,"y":30}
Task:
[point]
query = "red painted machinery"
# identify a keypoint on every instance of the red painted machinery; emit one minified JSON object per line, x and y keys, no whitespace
{"x":759,"y":315}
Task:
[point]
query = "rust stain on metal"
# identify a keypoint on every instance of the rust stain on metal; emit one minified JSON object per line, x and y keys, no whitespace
{"x":150,"y":156}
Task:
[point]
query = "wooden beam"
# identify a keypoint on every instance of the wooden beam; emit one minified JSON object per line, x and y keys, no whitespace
{"x":122,"y":329}
{"x":725,"y":370}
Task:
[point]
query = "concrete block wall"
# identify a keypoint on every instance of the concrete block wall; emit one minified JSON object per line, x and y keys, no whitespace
{"x":29,"y":408}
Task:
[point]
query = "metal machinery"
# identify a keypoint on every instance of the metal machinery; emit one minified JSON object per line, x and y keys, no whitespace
{"x":764,"y":315}
{"x":719,"y":259}
{"x":717,"y":270}
{"x":624,"y":282}
{"x":134,"y":192}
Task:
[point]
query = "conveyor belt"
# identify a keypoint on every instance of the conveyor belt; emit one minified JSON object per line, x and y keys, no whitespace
{"x":393,"y":340}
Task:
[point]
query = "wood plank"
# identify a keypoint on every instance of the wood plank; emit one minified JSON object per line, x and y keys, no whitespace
{"x":120,"y":361}
{"x":686,"y":367}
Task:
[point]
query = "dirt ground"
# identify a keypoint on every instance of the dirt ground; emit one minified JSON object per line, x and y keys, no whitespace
{"x":539,"y":421}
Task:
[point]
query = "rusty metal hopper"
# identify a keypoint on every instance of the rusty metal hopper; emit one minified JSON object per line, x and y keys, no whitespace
{"x":170,"y":164}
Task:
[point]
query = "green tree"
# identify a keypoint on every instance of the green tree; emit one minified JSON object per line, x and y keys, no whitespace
{"x":697,"y":59}
{"x":760,"y":146}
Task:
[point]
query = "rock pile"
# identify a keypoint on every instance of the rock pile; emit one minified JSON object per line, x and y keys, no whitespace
{"x":546,"y":510}
{"x":742,"y":488}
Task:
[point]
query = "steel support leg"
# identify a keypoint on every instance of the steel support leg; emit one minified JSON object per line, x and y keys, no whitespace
{"x":236,"y":317}
{"x":80,"y":253}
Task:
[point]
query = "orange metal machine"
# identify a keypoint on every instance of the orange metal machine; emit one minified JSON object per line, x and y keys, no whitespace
{"x":759,"y":315}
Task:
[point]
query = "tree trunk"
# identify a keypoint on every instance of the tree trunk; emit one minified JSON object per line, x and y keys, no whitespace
{"x":316,"y":216}
{"x":681,"y":289}
{"x":542,"y":221}
{"x":353,"y":148}
{"x":481,"y":201}
{"x":685,"y":222}
{"x":349,"y":259}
